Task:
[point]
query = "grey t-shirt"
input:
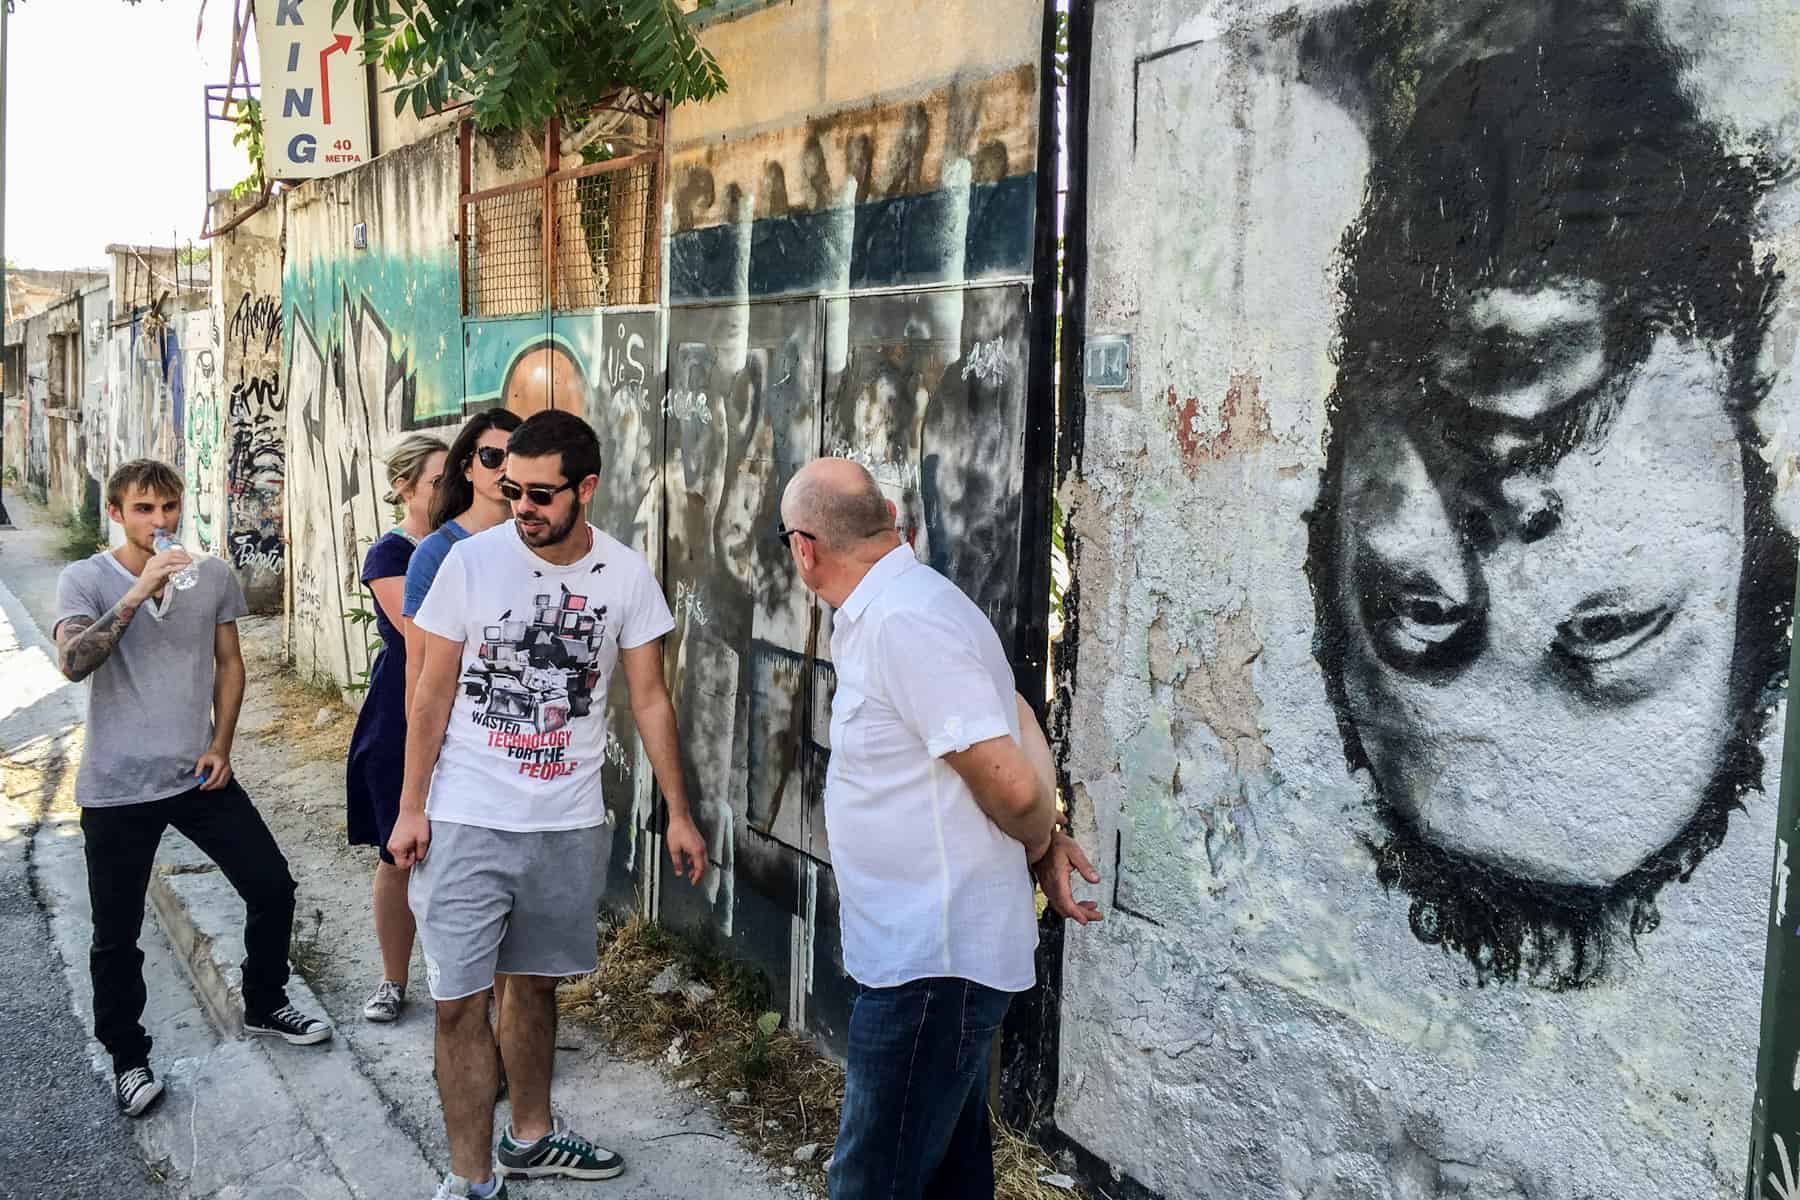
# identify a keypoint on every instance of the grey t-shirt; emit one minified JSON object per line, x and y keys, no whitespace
{"x":150,"y":703}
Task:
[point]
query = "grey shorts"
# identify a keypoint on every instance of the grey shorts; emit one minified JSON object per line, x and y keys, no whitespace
{"x":490,"y":900}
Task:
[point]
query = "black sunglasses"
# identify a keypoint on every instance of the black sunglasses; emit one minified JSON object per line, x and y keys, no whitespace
{"x":541,"y":494}
{"x":491,"y":457}
{"x":783,"y":533}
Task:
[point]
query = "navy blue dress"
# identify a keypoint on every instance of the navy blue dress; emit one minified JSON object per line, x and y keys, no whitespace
{"x":378,"y":747}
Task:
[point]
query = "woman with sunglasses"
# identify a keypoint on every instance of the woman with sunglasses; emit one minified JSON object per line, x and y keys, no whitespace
{"x":468,"y":501}
{"x":378,"y":747}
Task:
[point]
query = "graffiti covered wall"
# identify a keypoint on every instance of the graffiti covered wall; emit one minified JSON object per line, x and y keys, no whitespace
{"x":1433,"y":576}
{"x":850,"y":256}
{"x":147,"y":372}
{"x":371,"y":341}
{"x":36,"y":391}
{"x":251,"y":449}
{"x":849,"y":262}
{"x":203,"y":465}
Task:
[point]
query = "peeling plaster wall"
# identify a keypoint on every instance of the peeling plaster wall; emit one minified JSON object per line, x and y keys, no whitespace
{"x":203,"y":465}
{"x":37,"y":406}
{"x":849,"y":272}
{"x":1400,"y":715}
{"x":880,"y":308}
{"x":149,"y":344}
{"x":249,"y":425}
{"x":71,"y":334}
{"x":371,"y":349}
{"x":96,"y":396}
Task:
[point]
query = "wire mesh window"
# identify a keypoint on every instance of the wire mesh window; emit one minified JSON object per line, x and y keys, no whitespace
{"x":606,"y":237}
{"x":504,"y":253}
{"x":604,"y":242}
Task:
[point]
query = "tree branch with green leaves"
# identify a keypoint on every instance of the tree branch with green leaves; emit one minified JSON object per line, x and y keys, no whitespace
{"x":521,"y":63}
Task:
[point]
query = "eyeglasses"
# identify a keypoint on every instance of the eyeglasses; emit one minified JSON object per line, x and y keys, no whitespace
{"x":540,"y":494}
{"x":783,"y":533}
{"x":491,"y":457}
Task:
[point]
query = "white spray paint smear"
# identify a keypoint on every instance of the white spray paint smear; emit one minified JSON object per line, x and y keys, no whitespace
{"x":1782,"y":871}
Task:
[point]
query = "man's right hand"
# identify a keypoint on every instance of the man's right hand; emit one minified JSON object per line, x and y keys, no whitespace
{"x":410,"y":839}
{"x":1052,"y":871}
{"x":157,"y":572}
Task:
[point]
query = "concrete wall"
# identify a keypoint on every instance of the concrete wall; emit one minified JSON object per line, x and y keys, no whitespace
{"x":205,"y":512}
{"x":247,"y":458}
{"x":153,"y":349}
{"x":372,"y":348}
{"x":849,"y":271}
{"x":74,"y":395}
{"x":147,"y":377}
{"x":1432,"y":584}
{"x":372,"y":342}
{"x":37,"y":405}
{"x":54,"y":398}
{"x":846,"y":266}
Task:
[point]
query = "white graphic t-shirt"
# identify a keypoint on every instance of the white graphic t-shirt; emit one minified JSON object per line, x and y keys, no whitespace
{"x":527,"y":735}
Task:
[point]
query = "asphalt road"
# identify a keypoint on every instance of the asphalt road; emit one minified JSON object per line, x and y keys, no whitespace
{"x":61,"y":1136}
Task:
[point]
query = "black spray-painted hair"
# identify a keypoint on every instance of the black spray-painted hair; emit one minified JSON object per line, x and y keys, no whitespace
{"x":1576,"y":158}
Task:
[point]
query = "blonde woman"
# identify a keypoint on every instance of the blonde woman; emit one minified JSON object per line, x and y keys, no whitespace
{"x":378,"y":748}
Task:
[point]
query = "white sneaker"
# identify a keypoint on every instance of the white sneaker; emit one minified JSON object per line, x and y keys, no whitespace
{"x":386,"y":1003}
{"x":455,"y":1187}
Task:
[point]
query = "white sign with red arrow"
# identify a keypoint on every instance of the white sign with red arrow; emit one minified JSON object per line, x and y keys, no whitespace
{"x":315,"y":94}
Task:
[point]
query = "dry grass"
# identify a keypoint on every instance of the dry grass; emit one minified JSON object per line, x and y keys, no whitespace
{"x":788,"y":1094}
{"x":297,"y":703}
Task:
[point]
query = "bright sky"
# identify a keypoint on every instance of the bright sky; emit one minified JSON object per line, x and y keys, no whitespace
{"x":104,"y":126}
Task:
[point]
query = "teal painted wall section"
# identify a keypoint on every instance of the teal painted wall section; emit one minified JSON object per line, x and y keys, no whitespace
{"x":417,"y":301}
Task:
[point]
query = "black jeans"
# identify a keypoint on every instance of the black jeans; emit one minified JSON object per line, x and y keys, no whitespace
{"x":120,"y":844}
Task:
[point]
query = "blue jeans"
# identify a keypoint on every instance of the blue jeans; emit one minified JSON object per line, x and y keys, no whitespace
{"x":915,"y":1123}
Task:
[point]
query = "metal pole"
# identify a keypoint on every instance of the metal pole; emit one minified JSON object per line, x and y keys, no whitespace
{"x":5,"y":9}
{"x":1775,"y":1119}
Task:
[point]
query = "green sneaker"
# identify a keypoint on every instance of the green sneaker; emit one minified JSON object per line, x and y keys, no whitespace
{"x":558,"y":1152}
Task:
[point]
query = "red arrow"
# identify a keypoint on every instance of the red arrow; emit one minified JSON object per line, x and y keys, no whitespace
{"x":342,"y":43}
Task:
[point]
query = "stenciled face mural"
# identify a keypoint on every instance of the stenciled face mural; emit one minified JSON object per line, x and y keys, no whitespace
{"x":1544,"y":536}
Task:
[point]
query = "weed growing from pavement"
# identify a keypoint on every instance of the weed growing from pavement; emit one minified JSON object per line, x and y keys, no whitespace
{"x":305,"y":954}
{"x":772,"y":1087}
{"x":81,"y":535}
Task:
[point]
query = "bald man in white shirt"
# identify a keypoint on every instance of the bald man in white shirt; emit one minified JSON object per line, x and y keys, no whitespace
{"x":940,"y":805}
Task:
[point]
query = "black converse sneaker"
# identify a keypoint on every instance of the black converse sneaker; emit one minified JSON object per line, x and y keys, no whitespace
{"x":136,"y":1090}
{"x":289,"y":1024}
{"x":558,"y":1152}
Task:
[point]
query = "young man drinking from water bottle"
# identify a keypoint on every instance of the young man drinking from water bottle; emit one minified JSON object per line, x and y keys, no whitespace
{"x":167,"y":683}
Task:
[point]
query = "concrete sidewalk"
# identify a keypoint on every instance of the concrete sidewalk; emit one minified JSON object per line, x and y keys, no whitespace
{"x":359,"y":1117}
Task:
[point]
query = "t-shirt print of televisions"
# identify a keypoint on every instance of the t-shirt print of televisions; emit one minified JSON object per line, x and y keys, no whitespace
{"x":535,"y":676}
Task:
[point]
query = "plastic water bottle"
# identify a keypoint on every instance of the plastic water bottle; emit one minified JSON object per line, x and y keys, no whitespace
{"x":189,"y":575}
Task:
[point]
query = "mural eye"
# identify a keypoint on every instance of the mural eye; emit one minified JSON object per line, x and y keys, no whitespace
{"x":1600,"y":632}
{"x":1415,"y":624}
{"x":1425,"y":616}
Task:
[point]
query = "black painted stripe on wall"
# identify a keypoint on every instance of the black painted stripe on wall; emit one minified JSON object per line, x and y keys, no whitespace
{"x":894,"y":242}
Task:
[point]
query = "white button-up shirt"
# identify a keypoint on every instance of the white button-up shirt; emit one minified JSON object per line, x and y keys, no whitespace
{"x":928,"y":885}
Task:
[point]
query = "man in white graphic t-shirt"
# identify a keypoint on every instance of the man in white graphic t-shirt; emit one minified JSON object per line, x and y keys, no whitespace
{"x":501,"y":816}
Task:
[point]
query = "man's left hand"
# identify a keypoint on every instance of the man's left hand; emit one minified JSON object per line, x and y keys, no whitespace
{"x":687,"y":849}
{"x":1052,"y":872}
{"x":215,"y":769}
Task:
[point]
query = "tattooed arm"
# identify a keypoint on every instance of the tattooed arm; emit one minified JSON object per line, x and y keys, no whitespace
{"x":82,"y":643}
